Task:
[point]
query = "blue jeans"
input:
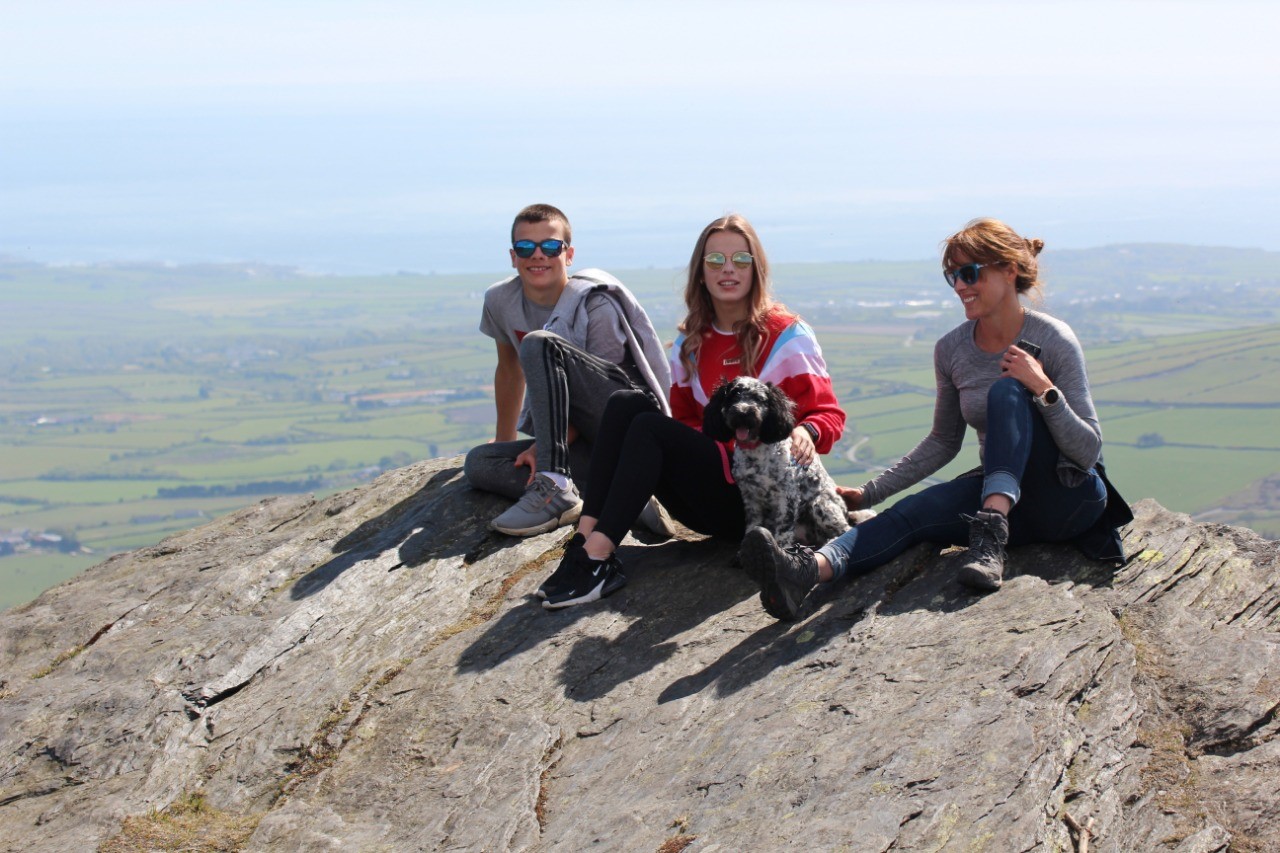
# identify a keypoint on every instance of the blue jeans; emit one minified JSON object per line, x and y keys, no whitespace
{"x":1019,"y":460}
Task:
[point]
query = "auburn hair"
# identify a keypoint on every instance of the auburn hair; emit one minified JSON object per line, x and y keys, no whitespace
{"x":990,"y":241}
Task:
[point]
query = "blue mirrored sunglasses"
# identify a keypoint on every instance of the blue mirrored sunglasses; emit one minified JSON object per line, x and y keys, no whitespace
{"x":550,"y":248}
{"x":967,"y":273}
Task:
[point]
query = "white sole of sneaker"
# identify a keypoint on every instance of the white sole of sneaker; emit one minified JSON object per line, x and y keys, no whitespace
{"x":596,"y":593}
{"x":569,"y":516}
{"x":655,"y":518}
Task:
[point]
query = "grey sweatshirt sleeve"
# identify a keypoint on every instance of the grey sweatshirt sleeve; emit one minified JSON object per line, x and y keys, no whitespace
{"x":1074,"y":426}
{"x":936,"y":449}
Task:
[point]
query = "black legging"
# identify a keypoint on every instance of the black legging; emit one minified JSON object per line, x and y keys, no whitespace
{"x":639,"y":453}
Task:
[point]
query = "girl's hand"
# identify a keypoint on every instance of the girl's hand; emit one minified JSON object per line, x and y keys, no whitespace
{"x":1020,"y":364}
{"x":802,"y":449}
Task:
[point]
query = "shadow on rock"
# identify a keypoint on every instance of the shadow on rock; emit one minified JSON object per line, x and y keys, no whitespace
{"x":444,"y":518}
{"x":920,"y":579}
{"x":670,"y":588}
{"x":675,"y":588}
{"x":520,"y":629}
{"x":749,"y":661}
{"x":1062,"y":562}
{"x":924,"y":577}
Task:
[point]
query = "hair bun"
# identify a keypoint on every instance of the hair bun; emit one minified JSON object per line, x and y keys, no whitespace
{"x":1036,"y":245}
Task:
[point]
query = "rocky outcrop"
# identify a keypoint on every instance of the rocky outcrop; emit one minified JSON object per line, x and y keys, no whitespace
{"x":372,"y":672}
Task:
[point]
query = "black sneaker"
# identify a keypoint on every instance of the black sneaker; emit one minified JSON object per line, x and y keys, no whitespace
{"x":588,"y":580}
{"x":785,"y":575}
{"x":988,"y":535}
{"x":560,"y":578}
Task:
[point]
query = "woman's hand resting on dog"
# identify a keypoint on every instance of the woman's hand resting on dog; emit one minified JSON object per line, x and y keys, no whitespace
{"x":852,"y":497}
{"x":802,"y":449}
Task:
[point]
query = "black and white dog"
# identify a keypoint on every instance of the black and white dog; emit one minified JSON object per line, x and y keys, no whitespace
{"x":793,"y":502}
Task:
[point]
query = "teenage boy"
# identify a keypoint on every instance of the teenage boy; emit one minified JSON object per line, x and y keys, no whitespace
{"x":564,"y":346}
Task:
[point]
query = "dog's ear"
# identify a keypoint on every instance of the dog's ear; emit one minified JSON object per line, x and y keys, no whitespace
{"x":713,"y":424}
{"x":778,"y":418}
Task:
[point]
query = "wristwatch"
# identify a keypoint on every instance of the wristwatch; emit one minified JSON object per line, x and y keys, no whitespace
{"x":812,"y":430}
{"x":1050,"y":397}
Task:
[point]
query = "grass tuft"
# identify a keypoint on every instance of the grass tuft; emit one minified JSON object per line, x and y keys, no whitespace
{"x":677,"y":843}
{"x":58,"y":661}
{"x":188,"y":824}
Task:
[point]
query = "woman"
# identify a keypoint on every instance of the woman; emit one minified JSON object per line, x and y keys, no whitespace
{"x":1017,"y":377}
{"x":733,"y":327}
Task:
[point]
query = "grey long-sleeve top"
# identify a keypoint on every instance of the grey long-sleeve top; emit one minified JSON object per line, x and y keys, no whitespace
{"x":964,"y":373}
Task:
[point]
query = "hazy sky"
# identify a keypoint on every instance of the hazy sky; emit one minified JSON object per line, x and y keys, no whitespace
{"x":393,"y":135}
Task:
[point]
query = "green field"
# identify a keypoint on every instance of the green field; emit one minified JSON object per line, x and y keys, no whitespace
{"x":136,"y":401}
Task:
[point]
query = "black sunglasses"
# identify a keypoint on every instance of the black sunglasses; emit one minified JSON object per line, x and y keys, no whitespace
{"x":550,"y":248}
{"x":967,"y":273}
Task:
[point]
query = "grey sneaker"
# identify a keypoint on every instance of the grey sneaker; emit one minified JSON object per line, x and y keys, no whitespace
{"x":785,"y":575}
{"x":544,"y":507}
{"x":988,"y":534}
{"x":655,"y":519}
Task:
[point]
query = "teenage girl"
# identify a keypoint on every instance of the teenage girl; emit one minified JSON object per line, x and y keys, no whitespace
{"x":733,"y":328}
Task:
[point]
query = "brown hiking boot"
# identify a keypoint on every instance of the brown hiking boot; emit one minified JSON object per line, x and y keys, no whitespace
{"x":988,"y":534}
{"x":785,"y":574}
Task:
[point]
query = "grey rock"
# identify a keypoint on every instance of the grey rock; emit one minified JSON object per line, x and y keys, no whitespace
{"x":1211,"y":839}
{"x":371,"y":671}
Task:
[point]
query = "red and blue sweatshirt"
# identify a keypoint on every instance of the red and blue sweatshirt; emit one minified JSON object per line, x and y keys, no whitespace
{"x":789,"y":358}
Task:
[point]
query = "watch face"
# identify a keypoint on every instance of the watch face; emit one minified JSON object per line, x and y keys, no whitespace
{"x":1051,"y":396}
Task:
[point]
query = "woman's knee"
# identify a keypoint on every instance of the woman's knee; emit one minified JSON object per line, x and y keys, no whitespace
{"x":1007,"y":391}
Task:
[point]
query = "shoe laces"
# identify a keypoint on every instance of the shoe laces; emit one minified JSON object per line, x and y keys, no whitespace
{"x":803,"y":569}
{"x":537,"y":493}
{"x":797,"y":550}
{"x":981,"y":530}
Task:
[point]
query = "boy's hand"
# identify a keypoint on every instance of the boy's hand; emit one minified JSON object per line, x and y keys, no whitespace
{"x":529,"y":458}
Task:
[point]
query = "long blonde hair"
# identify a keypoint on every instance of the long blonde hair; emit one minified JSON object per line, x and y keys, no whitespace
{"x":750,"y":332}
